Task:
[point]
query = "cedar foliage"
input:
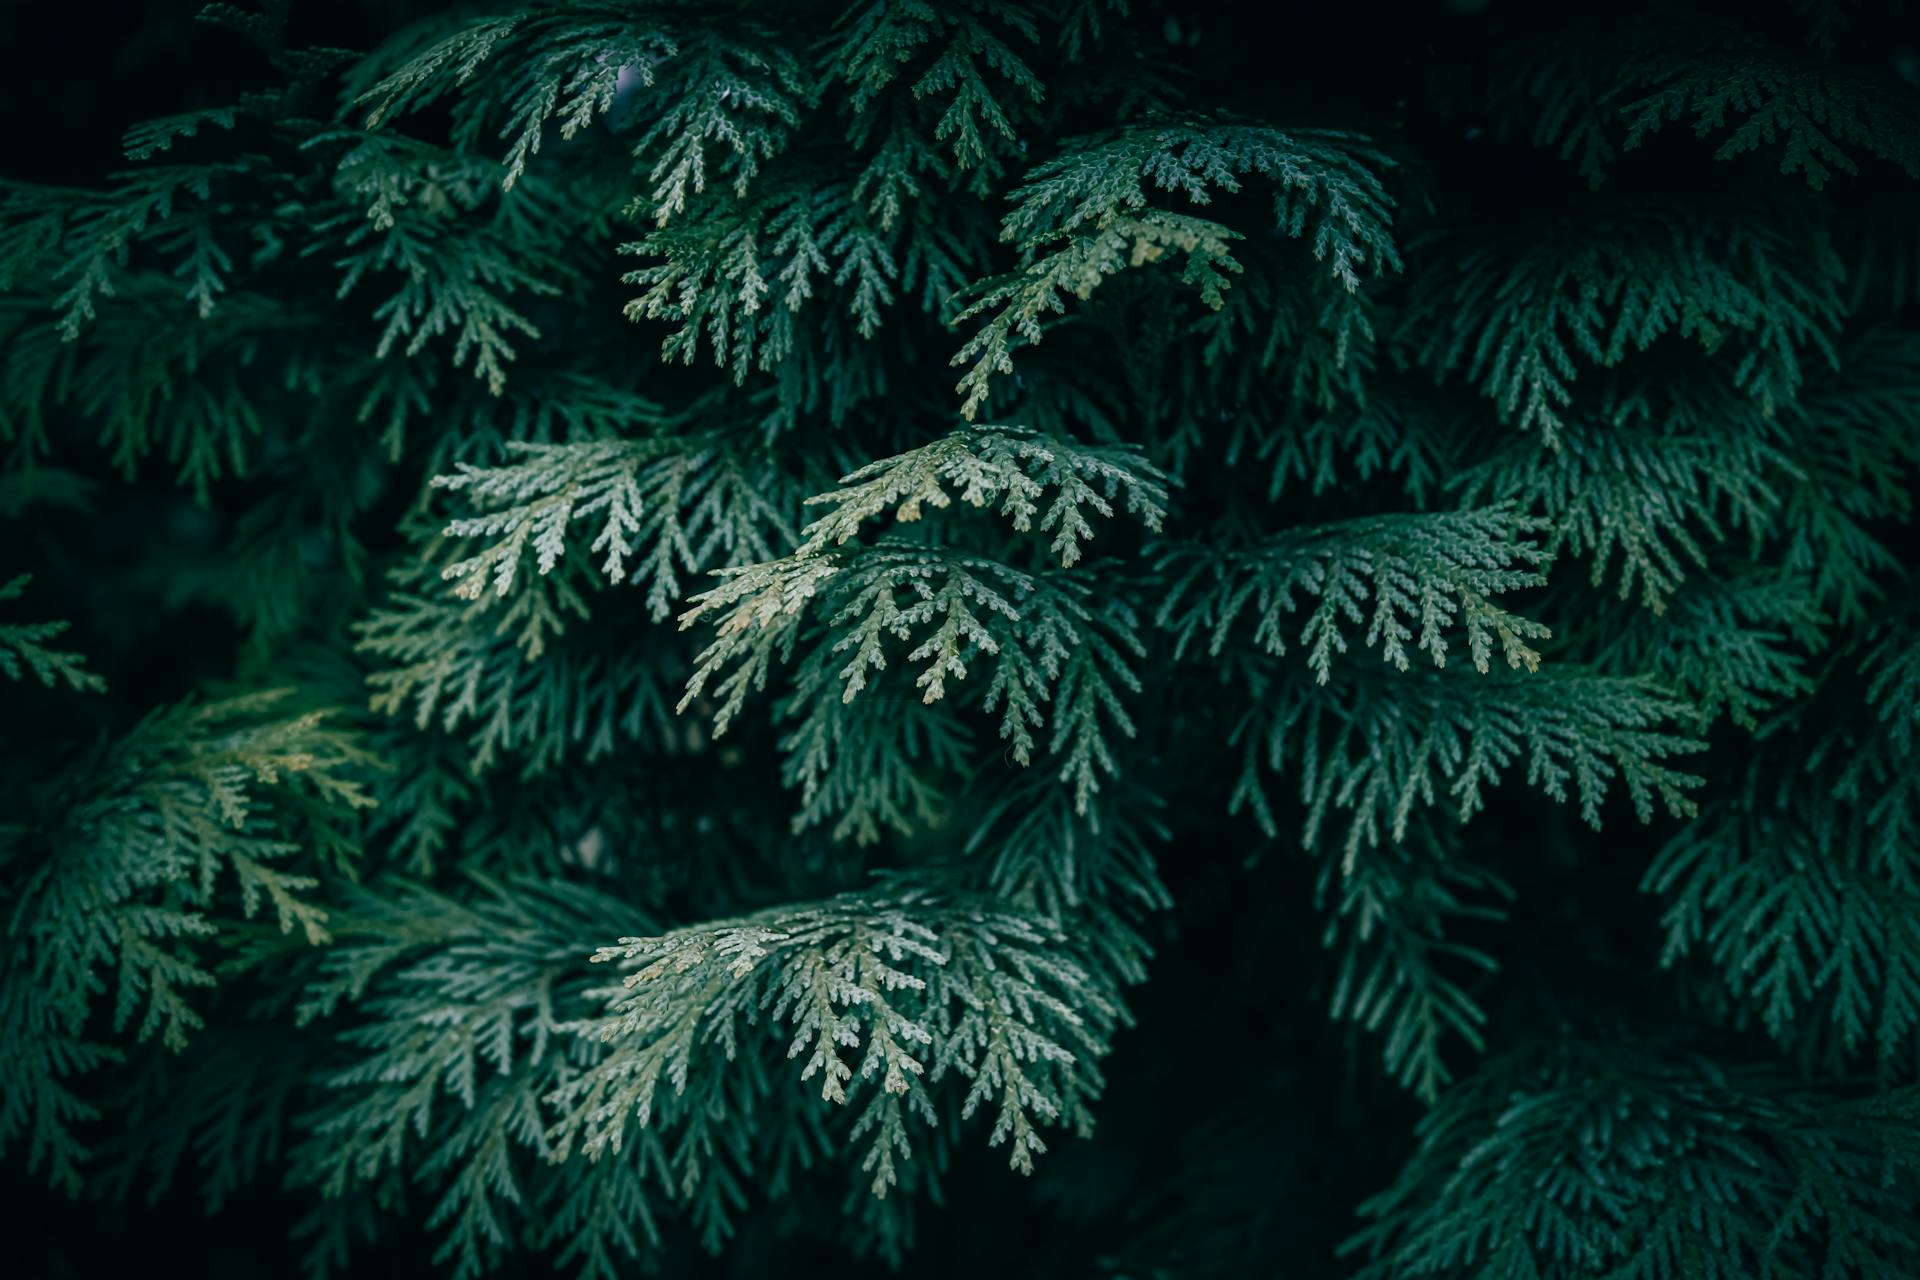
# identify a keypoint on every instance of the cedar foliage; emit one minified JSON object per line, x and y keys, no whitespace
{"x":634,"y":636}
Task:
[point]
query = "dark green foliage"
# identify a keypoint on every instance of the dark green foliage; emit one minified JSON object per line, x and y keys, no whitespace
{"x":1305,"y":640}
{"x":1659,"y":1164}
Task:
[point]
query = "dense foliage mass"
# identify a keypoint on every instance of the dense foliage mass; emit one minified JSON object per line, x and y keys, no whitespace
{"x":643,"y":635}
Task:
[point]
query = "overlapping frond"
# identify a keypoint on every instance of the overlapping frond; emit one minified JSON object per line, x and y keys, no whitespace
{"x":166,"y":836}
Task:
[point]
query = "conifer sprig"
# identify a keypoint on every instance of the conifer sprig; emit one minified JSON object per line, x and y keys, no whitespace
{"x":1086,"y":216}
{"x":166,"y":837}
{"x":23,"y":649}
{"x":1433,"y":570}
{"x":883,"y":994}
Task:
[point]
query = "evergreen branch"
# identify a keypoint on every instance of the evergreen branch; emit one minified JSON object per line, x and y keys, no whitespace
{"x":1601,"y":89}
{"x":1800,"y":886}
{"x":23,"y":646}
{"x":1016,"y":302}
{"x":1858,"y":461}
{"x":1436,"y":569}
{"x":461,"y":1035}
{"x":149,"y":138}
{"x":860,"y":771}
{"x":130,"y":884}
{"x":1380,"y":749}
{"x":81,"y":244}
{"x":1815,"y":110}
{"x":885,"y":992}
{"x":1052,"y":646}
{"x":869,"y":595}
{"x":1326,"y":176}
{"x":454,"y":277}
{"x":1893,"y":668}
{"x":1803,"y":919}
{"x":1085,"y":216}
{"x":512,"y":675}
{"x":878,"y":40}
{"x":1737,"y":644}
{"x":1318,"y":450}
{"x":1519,"y":324}
{"x":1649,"y":481}
{"x":695,"y":501}
{"x":1400,"y":977}
{"x":1011,"y":466}
{"x":1049,"y":855}
{"x":739,"y":274}
{"x":1782,"y":1180}
{"x":741,"y":89}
